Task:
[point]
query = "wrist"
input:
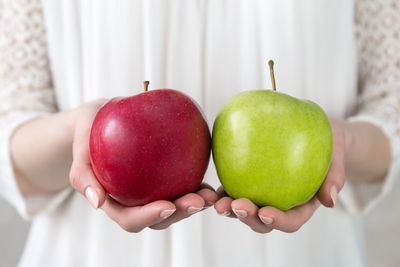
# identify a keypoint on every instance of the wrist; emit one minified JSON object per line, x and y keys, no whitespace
{"x":71,"y":121}
{"x":348,"y":140}
{"x":367,"y":151}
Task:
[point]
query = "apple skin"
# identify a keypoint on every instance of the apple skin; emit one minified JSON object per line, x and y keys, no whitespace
{"x":271,"y":148}
{"x":151,"y":146}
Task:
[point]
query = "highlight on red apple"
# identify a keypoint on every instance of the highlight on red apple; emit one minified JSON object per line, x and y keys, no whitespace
{"x":151,"y":146}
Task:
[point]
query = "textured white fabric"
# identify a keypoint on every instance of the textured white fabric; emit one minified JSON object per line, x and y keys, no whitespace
{"x":25,"y":81}
{"x":26,"y":92}
{"x":210,"y":50}
{"x":378,"y":33}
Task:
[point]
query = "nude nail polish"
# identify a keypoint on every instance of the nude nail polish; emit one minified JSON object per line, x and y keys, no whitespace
{"x":240,"y":213}
{"x":92,"y":196}
{"x":193,"y":210}
{"x":226,"y":213}
{"x":266,"y":220}
{"x":333,"y":194}
{"x":166,"y":213}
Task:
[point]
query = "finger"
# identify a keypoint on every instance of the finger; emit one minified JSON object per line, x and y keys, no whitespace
{"x":185,"y":206}
{"x":84,"y":181}
{"x":335,"y":177}
{"x":208,"y":194}
{"x":333,"y":183}
{"x":224,"y":208}
{"x":135,"y":219}
{"x":81,"y":174}
{"x":247,"y":212}
{"x":291,"y":220}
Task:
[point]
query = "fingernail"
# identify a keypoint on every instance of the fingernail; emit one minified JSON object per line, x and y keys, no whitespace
{"x":240,"y":213}
{"x":334,"y":193}
{"x":266,"y":220}
{"x":226,"y":214}
{"x":166,"y":213}
{"x":92,"y":196}
{"x":193,"y":210}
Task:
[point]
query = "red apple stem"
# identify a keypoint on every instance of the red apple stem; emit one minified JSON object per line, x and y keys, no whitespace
{"x":271,"y":71}
{"x":146,"y":86}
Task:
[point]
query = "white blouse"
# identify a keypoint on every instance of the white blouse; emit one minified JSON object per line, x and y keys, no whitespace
{"x":57,"y":54}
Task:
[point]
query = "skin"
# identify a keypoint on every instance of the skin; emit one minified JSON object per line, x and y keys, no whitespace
{"x":63,"y":149}
{"x":66,"y":130}
{"x":350,"y":141}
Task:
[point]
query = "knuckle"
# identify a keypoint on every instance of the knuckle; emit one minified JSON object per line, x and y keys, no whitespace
{"x":74,"y":177}
{"x":132,"y":229}
{"x":267,"y":231}
{"x":123,"y":224}
{"x":257,"y":230}
{"x":127,"y":226}
{"x":264,"y":230}
{"x":293,"y":228}
{"x":158,"y":227}
{"x":135,"y":230}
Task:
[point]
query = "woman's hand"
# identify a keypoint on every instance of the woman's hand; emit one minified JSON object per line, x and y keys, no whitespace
{"x":156,"y":215}
{"x":265,"y":219}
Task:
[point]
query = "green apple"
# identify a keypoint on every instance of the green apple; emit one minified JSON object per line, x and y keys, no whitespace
{"x":271,"y":148}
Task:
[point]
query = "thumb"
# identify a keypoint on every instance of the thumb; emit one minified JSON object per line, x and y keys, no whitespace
{"x":82,"y":177}
{"x":84,"y":181}
{"x":335,"y":177}
{"x":333,"y":183}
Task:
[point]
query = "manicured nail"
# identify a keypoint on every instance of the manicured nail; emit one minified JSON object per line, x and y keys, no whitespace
{"x":92,"y":196}
{"x":193,"y":210}
{"x":226,"y":214}
{"x":240,"y":213}
{"x":265,"y":220}
{"x":334,"y":193}
{"x":166,"y":213}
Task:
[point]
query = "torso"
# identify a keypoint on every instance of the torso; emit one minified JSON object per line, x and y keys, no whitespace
{"x":210,"y":50}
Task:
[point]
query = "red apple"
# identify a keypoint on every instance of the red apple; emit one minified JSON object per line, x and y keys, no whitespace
{"x":151,"y":146}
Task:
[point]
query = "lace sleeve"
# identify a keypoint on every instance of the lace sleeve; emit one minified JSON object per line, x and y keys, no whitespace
{"x":378,"y":34}
{"x":25,"y":86}
{"x":378,"y":37}
{"x":25,"y":80}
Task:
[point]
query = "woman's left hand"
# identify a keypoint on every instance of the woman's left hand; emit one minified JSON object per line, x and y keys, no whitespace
{"x":265,"y":219}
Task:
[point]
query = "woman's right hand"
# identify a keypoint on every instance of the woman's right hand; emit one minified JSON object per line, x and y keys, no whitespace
{"x":156,"y":215}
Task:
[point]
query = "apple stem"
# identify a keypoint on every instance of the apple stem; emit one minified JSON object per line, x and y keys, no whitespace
{"x":146,"y":86}
{"x":271,"y":71}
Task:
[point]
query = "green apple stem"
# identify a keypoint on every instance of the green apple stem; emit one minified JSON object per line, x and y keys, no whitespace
{"x":146,"y":86}
{"x":271,"y":71}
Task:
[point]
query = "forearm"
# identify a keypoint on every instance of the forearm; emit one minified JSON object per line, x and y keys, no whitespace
{"x":367,"y":152}
{"x":41,"y":152}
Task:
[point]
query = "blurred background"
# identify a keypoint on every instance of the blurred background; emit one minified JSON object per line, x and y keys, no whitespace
{"x":382,"y":227}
